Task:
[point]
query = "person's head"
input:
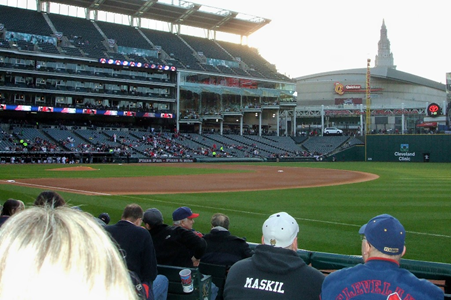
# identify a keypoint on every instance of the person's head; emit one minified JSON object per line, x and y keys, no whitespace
{"x":12,"y":206}
{"x":152,"y":217}
{"x":49,"y":198}
{"x":184,"y":217}
{"x":220,"y":220}
{"x":105,"y":217}
{"x":281,"y":230}
{"x":383,"y":236}
{"x":133,"y":213}
{"x":60,"y":253}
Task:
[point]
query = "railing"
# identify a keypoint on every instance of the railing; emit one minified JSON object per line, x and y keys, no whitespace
{"x":438,"y":273}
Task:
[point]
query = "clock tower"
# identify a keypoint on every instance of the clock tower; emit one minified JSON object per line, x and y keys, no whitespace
{"x":384,"y":57}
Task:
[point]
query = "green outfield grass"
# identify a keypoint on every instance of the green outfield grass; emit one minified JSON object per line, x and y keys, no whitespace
{"x":418,"y":194}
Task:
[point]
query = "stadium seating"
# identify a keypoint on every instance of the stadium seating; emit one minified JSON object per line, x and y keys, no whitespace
{"x":201,"y":284}
{"x":13,"y":19}
{"x":142,"y":143}
{"x":324,"y":145}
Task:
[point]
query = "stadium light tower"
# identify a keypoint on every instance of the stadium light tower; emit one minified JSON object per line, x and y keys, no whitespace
{"x":368,"y":104}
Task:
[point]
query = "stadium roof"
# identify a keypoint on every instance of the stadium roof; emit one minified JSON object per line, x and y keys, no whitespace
{"x":383,"y":73}
{"x":185,"y":13}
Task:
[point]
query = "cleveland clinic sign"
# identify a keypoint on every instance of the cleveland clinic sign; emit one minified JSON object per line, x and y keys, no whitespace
{"x":403,"y":154}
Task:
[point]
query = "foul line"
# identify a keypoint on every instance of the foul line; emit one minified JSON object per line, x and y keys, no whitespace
{"x":204,"y":206}
{"x":13,"y":182}
{"x":264,"y":214}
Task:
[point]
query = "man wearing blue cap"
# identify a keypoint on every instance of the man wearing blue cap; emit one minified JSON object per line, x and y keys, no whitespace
{"x":380,"y":277}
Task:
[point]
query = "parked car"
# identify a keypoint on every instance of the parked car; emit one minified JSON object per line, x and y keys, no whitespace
{"x":333,"y":131}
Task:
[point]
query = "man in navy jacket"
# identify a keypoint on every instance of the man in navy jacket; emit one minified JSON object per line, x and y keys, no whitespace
{"x":136,"y":245}
{"x":224,"y":248}
{"x":380,"y":277}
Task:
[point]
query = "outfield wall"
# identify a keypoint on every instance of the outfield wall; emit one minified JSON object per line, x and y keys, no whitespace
{"x":409,"y":148}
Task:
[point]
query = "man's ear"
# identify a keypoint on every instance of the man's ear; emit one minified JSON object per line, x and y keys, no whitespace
{"x":263,"y":240}
{"x":403,"y":251}
{"x":294,"y":245}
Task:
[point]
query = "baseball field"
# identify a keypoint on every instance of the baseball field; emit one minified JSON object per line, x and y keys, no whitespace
{"x":330,"y":201}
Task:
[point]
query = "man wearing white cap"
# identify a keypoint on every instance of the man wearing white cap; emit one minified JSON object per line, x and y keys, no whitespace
{"x":380,"y":277}
{"x":275,"y":271}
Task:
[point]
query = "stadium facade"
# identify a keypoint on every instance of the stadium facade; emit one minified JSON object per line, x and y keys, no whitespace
{"x":399,"y":101}
{"x":84,"y":69}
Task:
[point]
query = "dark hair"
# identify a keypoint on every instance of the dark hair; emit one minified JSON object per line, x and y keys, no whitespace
{"x":49,"y":198}
{"x":10,"y":206}
{"x":220,"y":220}
{"x":133,"y":212}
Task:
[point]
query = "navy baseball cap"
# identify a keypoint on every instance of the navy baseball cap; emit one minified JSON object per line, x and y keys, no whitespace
{"x":183,"y":213}
{"x":105,"y":217}
{"x":385,"y":233}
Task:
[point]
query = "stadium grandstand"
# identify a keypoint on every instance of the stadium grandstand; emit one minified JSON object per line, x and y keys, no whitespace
{"x":73,"y":84}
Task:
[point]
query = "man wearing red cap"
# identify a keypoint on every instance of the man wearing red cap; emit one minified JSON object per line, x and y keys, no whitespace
{"x":184,"y":217}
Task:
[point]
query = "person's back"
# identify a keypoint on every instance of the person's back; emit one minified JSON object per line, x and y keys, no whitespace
{"x":136,"y":244}
{"x":377,"y":280}
{"x":275,"y":271}
{"x":223,"y":248}
{"x":174,"y":245}
{"x":380,"y":277}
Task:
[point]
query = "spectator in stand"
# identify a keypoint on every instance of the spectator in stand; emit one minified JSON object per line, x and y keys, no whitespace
{"x":224,"y":248}
{"x":49,"y":198}
{"x":175,"y":245}
{"x":275,"y":271}
{"x":49,"y":253}
{"x":105,"y":218}
{"x":10,"y":207}
{"x":184,"y":217}
{"x":380,"y":277}
{"x":137,"y":246}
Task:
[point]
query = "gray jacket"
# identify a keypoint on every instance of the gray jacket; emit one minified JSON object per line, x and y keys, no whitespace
{"x":273,"y":273}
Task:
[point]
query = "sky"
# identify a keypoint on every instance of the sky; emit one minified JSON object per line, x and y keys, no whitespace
{"x":306,"y":37}
{"x":309,"y":37}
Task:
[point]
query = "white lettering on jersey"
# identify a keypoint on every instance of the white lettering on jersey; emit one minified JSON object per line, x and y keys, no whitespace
{"x":264,"y":285}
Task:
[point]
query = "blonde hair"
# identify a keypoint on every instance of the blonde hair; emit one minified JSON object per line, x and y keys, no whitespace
{"x":60,"y":253}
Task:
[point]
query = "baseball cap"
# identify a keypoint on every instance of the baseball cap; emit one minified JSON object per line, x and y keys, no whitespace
{"x":153,"y":216}
{"x":105,"y":217}
{"x":385,"y":233}
{"x":280,"y":230}
{"x":183,"y":213}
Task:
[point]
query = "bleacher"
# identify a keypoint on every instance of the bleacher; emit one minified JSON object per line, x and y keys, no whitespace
{"x":124,"y":35}
{"x":67,"y":138}
{"x":24,"y":21}
{"x":163,"y":144}
{"x":325,"y":144}
{"x":182,"y":50}
{"x":81,"y":34}
{"x":281,"y":145}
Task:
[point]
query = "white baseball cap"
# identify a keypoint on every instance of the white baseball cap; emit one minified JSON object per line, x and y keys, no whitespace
{"x":280,"y":230}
